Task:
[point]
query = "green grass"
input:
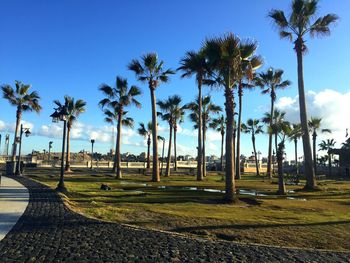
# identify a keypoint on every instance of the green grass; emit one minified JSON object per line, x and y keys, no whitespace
{"x":322,"y":221}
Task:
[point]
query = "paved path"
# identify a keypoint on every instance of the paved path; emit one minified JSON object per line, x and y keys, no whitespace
{"x":14,"y":199}
{"x":50,"y":232}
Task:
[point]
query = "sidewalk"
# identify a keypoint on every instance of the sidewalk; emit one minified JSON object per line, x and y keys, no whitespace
{"x":14,"y":199}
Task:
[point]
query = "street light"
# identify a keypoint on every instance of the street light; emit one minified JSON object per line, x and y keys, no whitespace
{"x":50,"y":146}
{"x":26,"y":131}
{"x":61,"y":114}
{"x":92,"y":151}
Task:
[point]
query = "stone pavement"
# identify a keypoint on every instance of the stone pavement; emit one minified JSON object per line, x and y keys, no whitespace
{"x":49,"y":232}
{"x":14,"y":199}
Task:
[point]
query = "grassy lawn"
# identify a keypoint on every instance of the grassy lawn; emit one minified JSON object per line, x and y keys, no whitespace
{"x":318,"y":219}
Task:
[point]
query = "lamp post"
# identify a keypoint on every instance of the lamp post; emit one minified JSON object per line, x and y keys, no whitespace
{"x":92,"y":151}
{"x":61,"y":114}
{"x":26,"y":131}
{"x":50,"y":146}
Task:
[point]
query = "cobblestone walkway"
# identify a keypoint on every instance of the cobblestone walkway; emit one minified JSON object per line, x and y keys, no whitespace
{"x":50,"y":232}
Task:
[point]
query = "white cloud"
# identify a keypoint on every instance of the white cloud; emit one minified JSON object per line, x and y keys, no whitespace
{"x":330,"y":105}
{"x":10,"y":127}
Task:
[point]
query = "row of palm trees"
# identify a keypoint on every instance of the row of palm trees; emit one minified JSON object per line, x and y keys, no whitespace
{"x":227,"y":62}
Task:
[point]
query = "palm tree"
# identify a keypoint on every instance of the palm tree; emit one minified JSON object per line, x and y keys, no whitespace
{"x":301,"y":23}
{"x":74,"y":109}
{"x":245,"y":77}
{"x":195,"y":63}
{"x":147,"y":133}
{"x":150,"y":70}
{"x":295,"y":135}
{"x":219,"y":125}
{"x":283,"y":130}
{"x":327,"y":146}
{"x":208,"y":108}
{"x":24,"y":102}
{"x":225,"y":58}
{"x":116,"y":100}
{"x":252,"y":126}
{"x":270,"y":81}
{"x":172,"y":112}
{"x":314,"y":126}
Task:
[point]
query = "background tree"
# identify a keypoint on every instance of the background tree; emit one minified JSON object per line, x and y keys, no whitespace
{"x":219,"y":125}
{"x":270,"y":81}
{"x":245,"y":77}
{"x":74,"y":109}
{"x":301,"y":23}
{"x":314,"y":126}
{"x":327,"y":146}
{"x":195,"y":64}
{"x":253,"y":128}
{"x":295,"y":135}
{"x":24,"y":101}
{"x":150,"y":70}
{"x":116,"y":100}
{"x":147,"y":133}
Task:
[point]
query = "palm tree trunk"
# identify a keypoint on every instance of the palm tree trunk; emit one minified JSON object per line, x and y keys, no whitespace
{"x":114,"y":169}
{"x":255,"y":155}
{"x":222,"y":151}
{"x":148,"y":152}
{"x":281,"y":185}
{"x":314,"y":137}
{"x":204,"y":161}
{"x":296,"y":159}
{"x":175,"y":162}
{"x":329,"y":164}
{"x":155,"y":167}
{"x":117,"y":148}
{"x":14,"y":147}
{"x":238,"y":144}
{"x":230,"y":166}
{"x":199,"y":148}
{"x":68,"y":150}
{"x":269,"y":157}
{"x":167,"y":171}
{"x":309,"y":169}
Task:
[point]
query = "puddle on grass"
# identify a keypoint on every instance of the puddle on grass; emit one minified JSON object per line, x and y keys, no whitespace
{"x":296,"y":198}
{"x":239,"y":191}
{"x":249,"y":192}
{"x":133,"y":183}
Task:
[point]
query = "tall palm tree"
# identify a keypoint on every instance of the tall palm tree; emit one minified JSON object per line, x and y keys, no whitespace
{"x":295,"y":134}
{"x":314,"y":126}
{"x":252,"y":127}
{"x":283,"y":130}
{"x":208,"y":108}
{"x":150,"y":70}
{"x":270,"y":81}
{"x":326,"y":146}
{"x":225,"y":58}
{"x":24,"y":101}
{"x":301,"y":23}
{"x":172,"y":112}
{"x":74,"y":109}
{"x":195,"y":64}
{"x":245,"y":77}
{"x":147,"y":133}
{"x":219,"y":125}
{"x":116,"y":100}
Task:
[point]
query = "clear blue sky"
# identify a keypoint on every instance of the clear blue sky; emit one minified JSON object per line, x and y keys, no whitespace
{"x":71,"y":47}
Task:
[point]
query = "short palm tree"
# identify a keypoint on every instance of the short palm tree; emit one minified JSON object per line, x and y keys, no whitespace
{"x":245,"y":78}
{"x":150,"y":70}
{"x":219,"y":125}
{"x":270,"y":81}
{"x":208,"y":108}
{"x":295,"y":134}
{"x":314,"y":126}
{"x":301,"y":23}
{"x":147,"y":133}
{"x":74,"y":109}
{"x":253,"y":128}
{"x":172,"y":112}
{"x":24,"y":101}
{"x":327,"y":146}
{"x":195,"y":64}
{"x":116,"y":100}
